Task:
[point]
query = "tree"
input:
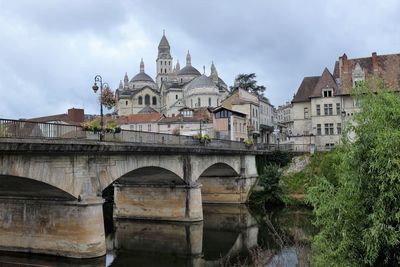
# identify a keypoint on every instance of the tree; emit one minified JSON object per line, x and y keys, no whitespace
{"x":359,"y":214}
{"x":248,"y":83}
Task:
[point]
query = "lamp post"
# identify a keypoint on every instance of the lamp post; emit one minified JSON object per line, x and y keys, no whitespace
{"x":95,"y":87}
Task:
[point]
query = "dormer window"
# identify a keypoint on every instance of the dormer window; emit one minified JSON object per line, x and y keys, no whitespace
{"x":357,"y":75}
{"x":327,"y":92}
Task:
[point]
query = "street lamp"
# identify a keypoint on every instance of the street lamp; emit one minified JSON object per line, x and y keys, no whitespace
{"x":95,"y":87}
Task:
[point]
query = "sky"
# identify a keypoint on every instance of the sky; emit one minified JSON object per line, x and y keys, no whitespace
{"x":50,"y":50}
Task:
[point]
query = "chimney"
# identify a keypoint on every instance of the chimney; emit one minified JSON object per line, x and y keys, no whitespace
{"x":344,"y":64}
{"x":374,"y":62}
{"x":76,"y":115}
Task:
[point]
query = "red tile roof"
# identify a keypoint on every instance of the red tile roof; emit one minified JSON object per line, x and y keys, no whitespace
{"x":138,"y":118}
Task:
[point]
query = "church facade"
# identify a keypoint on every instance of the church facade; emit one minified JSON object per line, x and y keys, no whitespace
{"x":174,"y":87}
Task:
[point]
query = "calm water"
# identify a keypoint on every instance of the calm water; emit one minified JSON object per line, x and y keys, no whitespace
{"x":229,"y":235}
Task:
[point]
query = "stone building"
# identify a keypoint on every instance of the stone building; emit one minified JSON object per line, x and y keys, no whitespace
{"x":173,"y":89}
{"x":323,"y":104}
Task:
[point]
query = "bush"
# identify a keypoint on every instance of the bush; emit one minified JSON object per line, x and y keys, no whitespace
{"x":271,"y":192}
{"x":356,"y":204}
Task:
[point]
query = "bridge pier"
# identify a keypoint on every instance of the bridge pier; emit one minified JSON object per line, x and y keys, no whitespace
{"x":63,"y":228}
{"x":158,"y":202}
{"x":231,"y":190}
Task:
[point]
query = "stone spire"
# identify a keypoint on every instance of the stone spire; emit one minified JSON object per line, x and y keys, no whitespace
{"x":164,"y":50}
{"x":174,"y":75}
{"x":121,"y":85}
{"x":126,"y":81}
{"x":177,"y":66}
{"x":188,"y":59}
{"x":214,"y":73}
{"x":141,"y":66}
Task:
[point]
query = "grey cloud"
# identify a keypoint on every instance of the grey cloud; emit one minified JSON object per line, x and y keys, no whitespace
{"x":51,"y":50}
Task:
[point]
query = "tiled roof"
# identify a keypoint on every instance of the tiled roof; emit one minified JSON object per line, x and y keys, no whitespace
{"x":137,"y":118}
{"x":306,"y":89}
{"x":385,"y":67}
{"x":325,"y":81}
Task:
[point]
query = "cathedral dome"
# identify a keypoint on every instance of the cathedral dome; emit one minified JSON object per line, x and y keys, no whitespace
{"x":189,"y":70}
{"x":142,"y":77}
{"x":201,"y":85}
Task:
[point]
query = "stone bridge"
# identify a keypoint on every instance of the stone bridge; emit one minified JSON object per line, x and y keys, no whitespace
{"x":51,"y":190}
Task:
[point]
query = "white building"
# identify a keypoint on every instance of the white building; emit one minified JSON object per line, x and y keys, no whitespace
{"x":173,"y":89}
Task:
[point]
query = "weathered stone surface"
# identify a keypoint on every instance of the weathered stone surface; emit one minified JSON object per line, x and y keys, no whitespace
{"x":69,"y":229}
{"x":180,"y":203}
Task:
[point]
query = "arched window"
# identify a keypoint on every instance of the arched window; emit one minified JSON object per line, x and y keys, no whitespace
{"x":209,"y":101}
{"x":140,"y":100}
{"x":154,"y":100}
{"x":126,"y":102}
{"x":176,"y":96}
{"x":147,"y":100}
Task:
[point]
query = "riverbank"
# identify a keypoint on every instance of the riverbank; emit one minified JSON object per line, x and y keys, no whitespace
{"x":285,"y":178}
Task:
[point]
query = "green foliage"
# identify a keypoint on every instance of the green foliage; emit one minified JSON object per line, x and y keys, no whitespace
{"x":112,"y":127}
{"x":93,"y":125}
{"x":204,"y":138}
{"x":271,"y":192}
{"x":248,"y":82}
{"x":248,"y":142}
{"x":4,"y":131}
{"x":280,"y":158}
{"x":357,"y":202}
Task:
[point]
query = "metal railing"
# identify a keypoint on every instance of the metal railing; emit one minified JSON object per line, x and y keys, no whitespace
{"x":41,"y":130}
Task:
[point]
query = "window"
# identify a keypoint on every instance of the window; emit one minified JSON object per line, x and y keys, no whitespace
{"x":327,"y":93}
{"x":126,"y":103}
{"x":305,"y":113}
{"x":339,"y":128}
{"x":154,"y":100}
{"x":176,"y":96}
{"x":209,"y":101}
{"x":319,"y":131}
{"x":140,"y":127}
{"x":140,"y":100}
{"x":328,"y":109}
{"x":147,"y":100}
{"x":329,"y":146}
{"x":318,"y":110}
{"x":198,"y":102}
{"x":149,"y":127}
{"x":328,"y":128}
{"x":337,"y":108}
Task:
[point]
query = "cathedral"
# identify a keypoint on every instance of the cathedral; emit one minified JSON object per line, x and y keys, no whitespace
{"x":173,"y":89}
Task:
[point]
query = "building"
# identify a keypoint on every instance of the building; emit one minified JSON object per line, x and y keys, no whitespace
{"x":173,"y":88}
{"x":324,"y":104}
{"x":258,"y":110}
{"x":229,"y":124}
{"x":147,"y":122}
{"x":189,"y":122}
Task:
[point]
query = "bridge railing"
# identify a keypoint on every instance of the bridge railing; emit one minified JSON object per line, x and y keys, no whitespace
{"x":41,"y":130}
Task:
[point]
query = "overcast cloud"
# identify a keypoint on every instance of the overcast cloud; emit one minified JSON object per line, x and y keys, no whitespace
{"x":51,"y":50}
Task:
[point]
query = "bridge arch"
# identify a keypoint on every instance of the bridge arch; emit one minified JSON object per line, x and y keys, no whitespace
{"x":14,"y":186}
{"x":149,"y":167}
{"x":215,"y":165}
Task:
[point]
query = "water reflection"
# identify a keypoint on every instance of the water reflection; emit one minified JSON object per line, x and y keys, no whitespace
{"x":229,"y":234}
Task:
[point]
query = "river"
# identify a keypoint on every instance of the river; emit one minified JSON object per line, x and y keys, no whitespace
{"x":230,"y":235}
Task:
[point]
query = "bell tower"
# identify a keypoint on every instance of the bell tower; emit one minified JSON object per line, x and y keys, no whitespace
{"x":164,"y":61}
